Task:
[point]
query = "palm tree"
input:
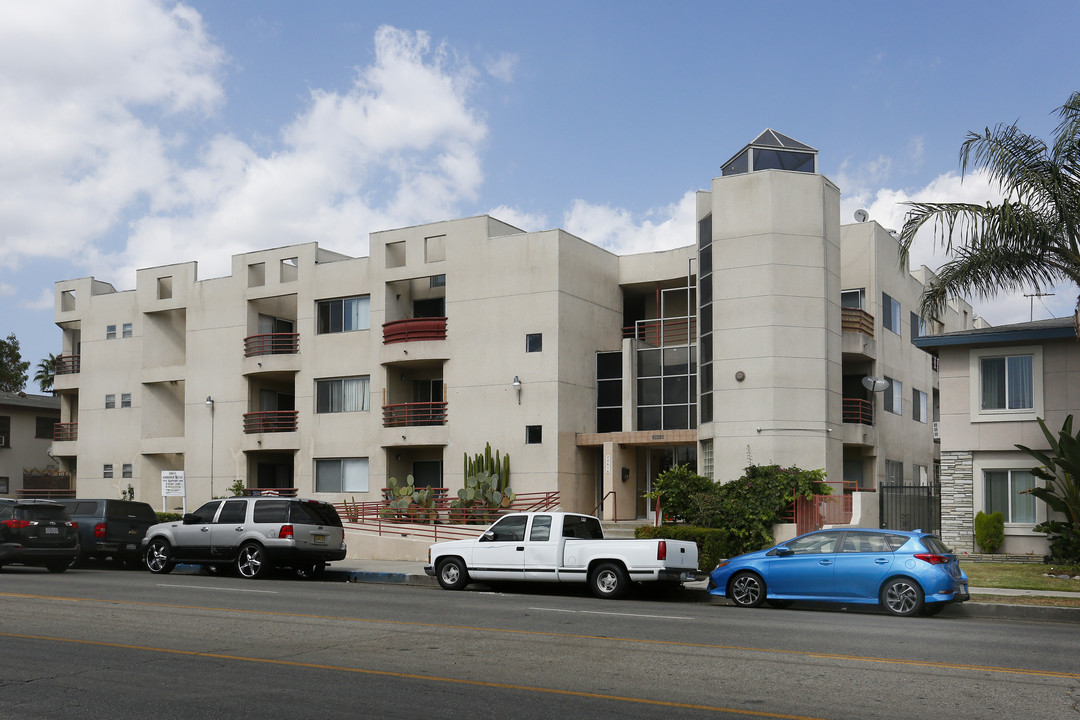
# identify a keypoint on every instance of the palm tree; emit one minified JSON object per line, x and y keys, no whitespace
{"x":1029,"y":240}
{"x":46,"y":372}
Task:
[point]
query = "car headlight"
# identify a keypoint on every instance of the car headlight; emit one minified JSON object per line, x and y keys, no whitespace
{"x":720,"y":564}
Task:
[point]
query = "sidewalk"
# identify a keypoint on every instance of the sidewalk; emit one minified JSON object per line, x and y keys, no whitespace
{"x":412,"y":573}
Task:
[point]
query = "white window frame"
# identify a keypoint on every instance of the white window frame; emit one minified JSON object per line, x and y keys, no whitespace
{"x":359,"y":465}
{"x":362,"y":314}
{"x":125,"y":400}
{"x":107,"y":471}
{"x":895,"y":393}
{"x":1002,"y":461}
{"x":977,"y":413}
{"x":126,"y":330}
{"x":919,"y":406}
{"x":338,"y":393}
{"x":110,"y":401}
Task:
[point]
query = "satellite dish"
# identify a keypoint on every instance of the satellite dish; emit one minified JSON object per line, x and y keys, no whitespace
{"x":874,"y":384}
{"x":861,"y":216}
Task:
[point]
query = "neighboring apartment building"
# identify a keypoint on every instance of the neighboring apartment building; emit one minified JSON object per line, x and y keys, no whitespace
{"x":995,"y":383}
{"x":26,"y":435}
{"x":312,"y":370}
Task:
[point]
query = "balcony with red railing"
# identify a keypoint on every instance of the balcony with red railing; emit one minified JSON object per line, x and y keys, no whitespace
{"x":663,"y":332}
{"x":857,"y":410}
{"x":67,"y":364}
{"x":414,"y":414}
{"x":270,"y":421}
{"x":271,"y":344}
{"x":66,"y":432}
{"x":414,"y":330}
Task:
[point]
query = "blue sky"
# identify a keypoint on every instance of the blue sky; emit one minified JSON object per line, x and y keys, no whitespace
{"x":136,"y":133}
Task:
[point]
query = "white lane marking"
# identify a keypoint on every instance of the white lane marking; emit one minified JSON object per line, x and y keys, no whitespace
{"x":598,"y":612}
{"x":221,"y":589}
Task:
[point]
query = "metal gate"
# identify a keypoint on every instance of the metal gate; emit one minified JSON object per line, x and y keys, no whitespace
{"x":910,"y":507}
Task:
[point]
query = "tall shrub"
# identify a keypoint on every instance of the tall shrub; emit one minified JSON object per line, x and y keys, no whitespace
{"x":989,"y":531}
{"x":1060,"y":469}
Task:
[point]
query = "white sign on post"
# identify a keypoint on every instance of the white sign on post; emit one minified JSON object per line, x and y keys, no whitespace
{"x":172,"y":483}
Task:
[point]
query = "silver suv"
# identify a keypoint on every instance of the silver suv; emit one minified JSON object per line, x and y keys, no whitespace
{"x":250,"y":535}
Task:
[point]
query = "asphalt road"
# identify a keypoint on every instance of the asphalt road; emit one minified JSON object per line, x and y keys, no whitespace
{"x":113,"y":644}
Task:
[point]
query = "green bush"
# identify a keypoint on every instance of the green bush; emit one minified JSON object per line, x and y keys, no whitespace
{"x":989,"y":531}
{"x":169,"y":516}
{"x":712,"y":543}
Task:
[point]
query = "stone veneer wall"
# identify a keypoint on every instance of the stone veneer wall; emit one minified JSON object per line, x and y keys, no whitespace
{"x":958,"y":501}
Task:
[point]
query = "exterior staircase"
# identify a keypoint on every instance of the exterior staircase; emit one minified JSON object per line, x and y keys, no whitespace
{"x":622,"y":528}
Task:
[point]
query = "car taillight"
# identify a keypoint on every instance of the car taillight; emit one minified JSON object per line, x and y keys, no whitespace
{"x":16,"y":524}
{"x":661,"y":550}
{"x":73,"y":524}
{"x":99,"y":530}
{"x":286,"y":531}
{"x":932,"y":558}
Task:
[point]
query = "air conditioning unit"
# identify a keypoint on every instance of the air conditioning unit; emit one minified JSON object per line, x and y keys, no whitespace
{"x":937,"y":431}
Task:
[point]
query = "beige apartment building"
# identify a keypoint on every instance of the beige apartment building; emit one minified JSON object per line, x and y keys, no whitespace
{"x":313,"y":371}
{"x":26,"y":435}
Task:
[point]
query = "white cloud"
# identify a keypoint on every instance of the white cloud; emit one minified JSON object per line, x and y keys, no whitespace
{"x":46,"y":300}
{"x":619,"y":231}
{"x":6,"y":289}
{"x":503,"y":66}
{"x":529,"y":222}
{"x":78,"y":84}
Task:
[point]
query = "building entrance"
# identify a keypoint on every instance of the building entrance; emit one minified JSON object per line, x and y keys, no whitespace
{"x":653,"y":460}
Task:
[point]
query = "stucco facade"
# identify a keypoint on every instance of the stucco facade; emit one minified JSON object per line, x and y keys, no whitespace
{"x":593,"y":371}
{"x":26,"y":430}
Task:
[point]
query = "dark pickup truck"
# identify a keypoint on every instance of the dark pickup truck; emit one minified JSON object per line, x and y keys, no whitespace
{"x":111,"y":528}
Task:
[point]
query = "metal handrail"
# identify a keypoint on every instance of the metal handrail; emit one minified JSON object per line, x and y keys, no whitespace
{"x":857,"y":410}
{"x":64,"y":432}
{"x":272,"y":344}
{"x":415,"y":413}
{"x":601,"y":503}
{"x":68,"y":364}
{"x":414,"y":329}
{"x":266,"y":421}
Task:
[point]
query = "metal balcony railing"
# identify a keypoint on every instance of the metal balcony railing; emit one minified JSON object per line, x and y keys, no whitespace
{"x":63,"y":432}
{"x":268,"y":421}
{"x":664,"y":332}
{"x":415,"y":413}
{"x":857,"y":410}
{"x":272,"y":344}
{"x":856,"y":320}
{"x":67,"y":364}
{"x":414,"y":329}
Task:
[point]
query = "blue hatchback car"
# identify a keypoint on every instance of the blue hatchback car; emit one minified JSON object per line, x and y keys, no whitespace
{"x":907,"y":573}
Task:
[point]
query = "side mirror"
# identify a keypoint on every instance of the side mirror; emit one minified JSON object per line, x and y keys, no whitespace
{"x":783,"y":551}
{"x":190,"y":518}
{"x":488,"y":536}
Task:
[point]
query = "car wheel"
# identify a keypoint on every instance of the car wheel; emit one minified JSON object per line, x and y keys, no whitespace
{"x":309,"y":571}
{"x":159,"y":556}
{"x":251,"y":562}
{"x":58,"y":566}
{"x":778,"y":604}
{"x":747,"y":589}
{"x":902,"y":597}
{"x":608,"y":581}
{"x":931,"y":609}
{"x":452,"y":574}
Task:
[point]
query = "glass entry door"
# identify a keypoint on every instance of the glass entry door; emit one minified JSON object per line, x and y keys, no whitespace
{"x":653,"y":460}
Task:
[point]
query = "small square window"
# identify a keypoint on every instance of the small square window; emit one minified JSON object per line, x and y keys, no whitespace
{"x":4,"y":482}
{"x":106,"y":470}
{"x":534,"y":434}
{"x":127,"y":330}
{"x":110,"y":332}
{"x":125,"y":400}
{"x":125,"y":470}
{"x":110,"y":402}
{"x":534,"y":342}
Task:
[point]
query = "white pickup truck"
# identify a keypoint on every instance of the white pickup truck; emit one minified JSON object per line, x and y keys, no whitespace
{"x":560,"y":547}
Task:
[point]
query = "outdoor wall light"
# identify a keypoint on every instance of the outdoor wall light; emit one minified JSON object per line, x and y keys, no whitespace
{"x":517,"y":386}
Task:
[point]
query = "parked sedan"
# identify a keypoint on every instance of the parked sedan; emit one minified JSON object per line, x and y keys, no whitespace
{"x":907,"y":573}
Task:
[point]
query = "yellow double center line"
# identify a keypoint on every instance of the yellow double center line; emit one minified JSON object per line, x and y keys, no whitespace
{"x":503,"y":686}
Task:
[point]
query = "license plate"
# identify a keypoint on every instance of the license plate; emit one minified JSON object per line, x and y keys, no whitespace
{"x":52,"y":531}
{"x":131,"y":546}
{"x":318,"y":539}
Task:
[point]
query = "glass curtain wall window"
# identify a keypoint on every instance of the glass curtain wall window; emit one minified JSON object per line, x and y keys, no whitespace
{"x":1007,"y":383}
{"x":341,"y":475}
{"x":1004,"y":493}
{"x":343,"y":395}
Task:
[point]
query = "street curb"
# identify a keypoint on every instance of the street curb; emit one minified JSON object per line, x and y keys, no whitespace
{"x":974,"y":610}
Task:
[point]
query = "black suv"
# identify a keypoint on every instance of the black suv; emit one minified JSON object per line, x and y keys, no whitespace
{"x":37,"y":532}
{"x":110,"y":528}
